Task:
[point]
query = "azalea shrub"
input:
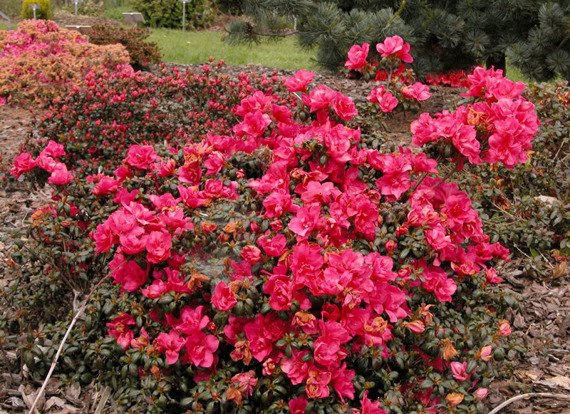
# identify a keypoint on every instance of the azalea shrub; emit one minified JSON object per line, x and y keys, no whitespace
{"x":39,"y":61}
{"x":112,"y":111}
{"x":283,"y":265}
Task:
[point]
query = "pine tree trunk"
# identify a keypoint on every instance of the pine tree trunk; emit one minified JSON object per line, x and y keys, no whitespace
{"x":498,"y":61}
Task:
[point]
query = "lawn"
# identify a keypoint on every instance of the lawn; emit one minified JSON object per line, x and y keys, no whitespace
{"x":196,"y":47}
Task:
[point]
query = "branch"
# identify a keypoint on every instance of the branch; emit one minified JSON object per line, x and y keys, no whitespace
{"x":60,"y":348}
{"x":397,"y":13}
{"x":529,"y":395}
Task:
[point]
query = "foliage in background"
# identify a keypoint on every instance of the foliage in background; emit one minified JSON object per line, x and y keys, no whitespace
{"x":40,"y":60}
{"x":11,"y":8}
{"x":229,"y":6}
{"x":444,"y":35}
{"x":168,"y":13}
{"x":142,"y":52}
{"x":545,"y":54}
{"x":43,"y":12}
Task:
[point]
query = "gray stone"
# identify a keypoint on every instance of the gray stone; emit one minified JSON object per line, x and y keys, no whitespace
{"x":133,"y":18}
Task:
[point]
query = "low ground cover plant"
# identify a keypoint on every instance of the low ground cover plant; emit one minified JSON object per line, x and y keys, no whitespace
{"x":114,"y":110}
{"x":40,"y":61}
{"x":275,"y":264}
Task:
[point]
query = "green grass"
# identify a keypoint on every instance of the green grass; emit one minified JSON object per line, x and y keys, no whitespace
{"x":196,"y":47}
{"x":7,"y":26}
{"x":514,"y":74}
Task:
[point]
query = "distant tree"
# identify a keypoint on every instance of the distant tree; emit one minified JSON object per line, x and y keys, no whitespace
{"x":545,"y":53}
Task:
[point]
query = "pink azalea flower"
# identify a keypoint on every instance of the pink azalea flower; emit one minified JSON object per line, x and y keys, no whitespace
{"x":369,"y":407}
{"x":273,"y":247}
{"x":245,"y":382}
{"x":486,"y":353}
{"x":436,"y":281}
{"x":254,"y":124}
{"x":53,"y":149}
{"x":481,"y":393}
{"x":128,"y":273}
{"x":106,"y":185}
{"x":305,"y":220}
{"x":318,"y":383}
{"x":251,"y":254}
{"x":295,"y":368}
{"x":342,"y":383}
{"x":384,"y":98}
{"x":60,"y":176}
{"x":298,"y":405}
{"x":200,"y":348}
{"x":505,"y":328}
{"x":141,"y":156}
{"x":279,"y":287}
{"x":22,"y":164}
{"x":277,"y":203}
{"x":158,"y":246}
{"x":417,"y":91}
{"x":299,"y":81}
{"x":104,"y":238}
{"x":344,"y":107}
{"x":357,"y":56}
{"x":171,"y":343}
{"x":459,"y":370}
{"x":223,"y":298}
{"x":319,"y":98}
{"x":395,"y":46}
{"x":118,"y":328}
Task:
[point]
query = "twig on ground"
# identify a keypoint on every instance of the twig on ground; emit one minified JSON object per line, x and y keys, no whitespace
{"x":60,"y":348}
{"x":529,"y":395}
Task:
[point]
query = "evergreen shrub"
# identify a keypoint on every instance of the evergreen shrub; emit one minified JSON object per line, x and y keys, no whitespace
{"x":43,"y":12}
{"x":168,"y":13}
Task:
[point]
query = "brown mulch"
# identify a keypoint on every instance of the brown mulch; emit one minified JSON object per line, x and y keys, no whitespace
{"x":541,"y":323}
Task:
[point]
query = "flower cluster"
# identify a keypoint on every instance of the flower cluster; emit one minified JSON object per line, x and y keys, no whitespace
{"x":40,"y":60}
{"x":455,"y":79}
{"x":48,"y":160}
{"x":498,"y":127}
{"x":390,"y":70}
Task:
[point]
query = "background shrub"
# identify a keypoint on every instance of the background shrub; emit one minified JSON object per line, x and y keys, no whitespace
{"x":11,"y":8}
{"x":545,"y":53}
{"x":40,"y":60}
{"x":168,"y":13}
{"x":142,"y":53}
{"x":43,"y":12}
